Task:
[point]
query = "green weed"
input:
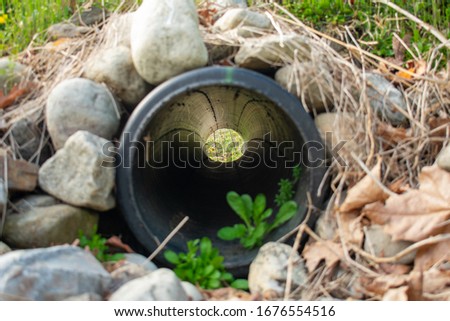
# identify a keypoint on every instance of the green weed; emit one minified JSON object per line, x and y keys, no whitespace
{"x":97,"y":246}
{"x":256,"y":217}
{"x":202,"y":265}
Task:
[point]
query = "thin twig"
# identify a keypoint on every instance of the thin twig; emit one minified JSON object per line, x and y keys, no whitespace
{"x":167,"y":239}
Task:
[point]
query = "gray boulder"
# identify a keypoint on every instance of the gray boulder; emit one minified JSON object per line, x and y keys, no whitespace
{"x":53,"y":273}
{"x":47,"y":226}
{"x":161,"y":285}
{"x":81,"y":104}
{"x":312,"y":84}
{"x":268,"y":271}
{"x":66,"y":30}
{"x":4,"y":248}
{"x":79,"y":173}
{"x":114,"y":67}
{"x":165,"y":40}
{"x":272,"y":50}
{"x":385,"y":99}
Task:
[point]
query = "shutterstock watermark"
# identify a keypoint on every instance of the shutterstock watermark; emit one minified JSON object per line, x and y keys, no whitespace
{"x":187,"y":151}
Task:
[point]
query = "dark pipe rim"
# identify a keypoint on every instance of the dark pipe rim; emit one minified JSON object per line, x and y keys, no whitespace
{"x":210,"y":76}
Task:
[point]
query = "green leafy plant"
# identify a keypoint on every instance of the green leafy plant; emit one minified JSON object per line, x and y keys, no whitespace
{"x":202,"y":265}
{"x":256,"y":217}
{"x":97,"y":245}
{"x":286,"y":187}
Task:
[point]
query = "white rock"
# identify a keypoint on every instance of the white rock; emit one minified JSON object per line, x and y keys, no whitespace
{"x":4,"y":248}
{"x":47,"y":226}
{"x":223,"y":4}
{"x":272,"y":50}
{"x":385,"y":99}
{"x":311,"y":83}
{"x":443,"y":159}
{"x":380,"y":244}
{"x":192,"y":292}
{"x":165,"y":39}
{"x":114,"y":67}
{"x":248,"y":22}
{"x":268,"y":271}
{"x":78,"y":173}
{"x":161,"y":285}
{"x":53,"y":273}
{"x":81,"y":104}
{"x":141,"y":260}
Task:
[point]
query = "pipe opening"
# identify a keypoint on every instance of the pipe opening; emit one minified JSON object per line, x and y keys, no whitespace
{"x":224,"y":145}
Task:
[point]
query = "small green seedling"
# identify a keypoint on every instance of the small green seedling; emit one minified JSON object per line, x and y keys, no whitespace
{"x":256,"y":217}
{"x":97,"y":246}
{"x":286,"y":187}
{"x":202,"y":265}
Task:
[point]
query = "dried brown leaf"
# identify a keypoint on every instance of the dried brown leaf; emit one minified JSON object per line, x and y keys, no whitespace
{"x":397,"y":294}
{"x":399,"y":48}
{"x":432,"y":284}
{"x":395,"y":268}
{"x":428,"y":256}
{"x":115,"y":241}
{"x":440,"y":125}
{"x":392,"y":134}
{"x":352,"y":229}
{"x":366,"y":191}
{"x":436,"y":281}
{"x":418,"y":213}
{"x":380,"y":285}
{"x":327,"y":251}
{"x":399,"y":186}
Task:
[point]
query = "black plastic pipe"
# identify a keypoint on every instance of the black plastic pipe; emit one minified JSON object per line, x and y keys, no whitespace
{"x":165,"y":175}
